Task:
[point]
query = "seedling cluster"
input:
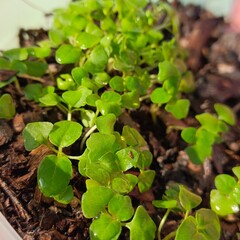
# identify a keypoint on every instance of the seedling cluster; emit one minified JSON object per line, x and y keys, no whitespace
{"x":115,"y":55}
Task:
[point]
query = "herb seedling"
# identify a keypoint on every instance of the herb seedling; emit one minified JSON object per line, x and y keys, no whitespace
{"x":225,"y":199}
{"x":202,"y":139}
{"x":205,"y":224}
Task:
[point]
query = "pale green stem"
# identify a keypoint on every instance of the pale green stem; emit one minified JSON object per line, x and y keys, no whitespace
{"x":73,"y":157}
{"x":144,"y":98}
{"x":69,"y":115}
{"x":170,"y":235}
{"x":88,"y":133}
{"x":162,"y":222}
{"x":62,"y":108}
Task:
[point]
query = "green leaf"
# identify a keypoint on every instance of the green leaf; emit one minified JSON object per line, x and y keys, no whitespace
{"x":131,"y":100}
{"x":116,"y":83}
{"x":105,"y":124}
{"x":145,"y":159}
{"x":225,"y":113}
{"x":107,"y":166}
{"x":36,"y":69}
{"x":49,"y":99}
{"x":67,"y":53}
{"x":88,"y":117}
{"x":159,"y":95}
{"x":179,"y":109}
{"x":54,"y":174}
{"x":128,"y":158}
{"x":86,"y":40}
{"x":65,"y":133}
{"x":222,"y":204}
{"x":236,"y":171}
{"x":133,"y":137}
{"x":16,"y":54}
{"x":7,"y":107}
{"x":56,"y":36}
{"x":225,"y":183}
{"x":76,"y":98}
{"x":188,"y":230}
{"x":105,"y":228}
{"x":145,"y":180}
{"x":142,"y":226}
{"x":199,"y":152}
{"x":124,"y":183}
{"x":99,"y":144}
{"x":188,"y":200}
{"x":78,"y":74}
{"x":66,"y":196}
{"x":33,"y":91}
{"x":189,"y":135}
{"x":42,"y":52}
{"x":208,"y":224}
{"x":110,"y":102}
{"x":18,"y":66}
{"x":35,"y":134}
{"x":209,"y":122}
{"x":167,"y":70}
{"x":95,"y":199}
{"x":165,"y":204}
{"x":97,"y":60}
{"x":120,"y":207}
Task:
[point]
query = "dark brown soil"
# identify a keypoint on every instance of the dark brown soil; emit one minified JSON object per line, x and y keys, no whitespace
{"x":214,"y":59}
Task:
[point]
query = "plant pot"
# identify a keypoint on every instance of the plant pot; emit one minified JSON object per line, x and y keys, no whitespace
{"x":6,"y":230}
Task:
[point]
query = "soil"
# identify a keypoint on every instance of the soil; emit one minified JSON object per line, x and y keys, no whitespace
{"x":213,"y":56}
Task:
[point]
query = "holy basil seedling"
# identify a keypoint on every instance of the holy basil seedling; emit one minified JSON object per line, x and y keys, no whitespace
{"x":205,"y":224}
{"x":55,"y":171}
{"x":224,"y":199}
{"x":202,"y":139}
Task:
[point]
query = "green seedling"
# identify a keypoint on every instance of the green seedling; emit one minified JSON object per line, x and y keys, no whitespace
{"x":113,"y":55}
{"x":224,"y":199}
{"x":178,"y":199}
{"x":55,"y":171}
{"x":7,"y":107}
{"x":113,"y":155}
{"x":203,"y":138}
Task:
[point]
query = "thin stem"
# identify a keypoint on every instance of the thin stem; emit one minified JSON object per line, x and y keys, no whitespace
{"x":144,"y":98}
{"x":170,"y":235}
{"x":69,"y":115}
{"x":52,"y":148}
{"x":88,"y":133}
{"x":186,"y":214}
{"x":162,"y":222}
{"x":62,"y":108}
{"x":74,"y":157}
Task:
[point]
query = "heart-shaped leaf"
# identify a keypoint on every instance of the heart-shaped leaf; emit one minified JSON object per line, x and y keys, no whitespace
{"x":142,"y":226}
{"x":67,"y":53}
{"x":95,"y":199}
{"x":35,"y":134}
{"x":65,"y":133}
{"x":105,"y":227}
{"x":120,"y":207}
{"x":54,"y":174}
{"x":188,"y":199}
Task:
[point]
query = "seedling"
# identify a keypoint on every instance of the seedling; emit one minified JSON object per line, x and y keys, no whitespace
{"x":114,"y":55}
{"x":203,"y":138}
{"x":178,"y":199}
{"x":225,"y":198}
